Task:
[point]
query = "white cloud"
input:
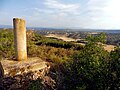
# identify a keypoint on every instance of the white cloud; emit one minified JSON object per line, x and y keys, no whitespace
{"x":95,"y":7}
{"x":112,"y":8}
{"x":43,"y":10}
{"x":59,"y":7}
{"x":92,"y":14}
{"x":103,"y":13}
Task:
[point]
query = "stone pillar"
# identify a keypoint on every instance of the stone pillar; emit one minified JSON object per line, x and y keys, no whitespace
{"x":20,"y":39}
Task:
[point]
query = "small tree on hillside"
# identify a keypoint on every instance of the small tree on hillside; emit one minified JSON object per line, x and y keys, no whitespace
{"x":98,"y":38}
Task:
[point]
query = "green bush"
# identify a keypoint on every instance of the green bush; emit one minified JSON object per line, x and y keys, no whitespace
{"x":6,"y":44}
{"x":114,"y":68}
{"x":98,"y":38}
{"x":88,"y":69}
{"x":55,"y":55}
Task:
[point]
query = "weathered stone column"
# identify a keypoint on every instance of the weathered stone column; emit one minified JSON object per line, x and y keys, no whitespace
{"x":20,"y":39}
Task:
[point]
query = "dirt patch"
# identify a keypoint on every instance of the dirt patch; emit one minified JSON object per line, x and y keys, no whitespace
{"x":61,"y":37}
{"x":109,"y":48}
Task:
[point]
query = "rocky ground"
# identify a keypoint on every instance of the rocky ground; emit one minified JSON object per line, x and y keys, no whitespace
{"x":23,"y":75}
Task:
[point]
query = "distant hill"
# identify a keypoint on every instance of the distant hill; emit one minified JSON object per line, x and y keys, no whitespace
{"x":67,"y":29}
{"x":108,"y":31}
{"x":5,"y":26}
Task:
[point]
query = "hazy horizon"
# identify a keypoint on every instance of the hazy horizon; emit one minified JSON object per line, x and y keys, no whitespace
{"x":79,"y":14}
{"x":71,"y":29}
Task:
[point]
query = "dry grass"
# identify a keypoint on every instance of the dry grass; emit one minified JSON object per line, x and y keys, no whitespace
{"x":109,"y":48}
{"x":64,"y":38}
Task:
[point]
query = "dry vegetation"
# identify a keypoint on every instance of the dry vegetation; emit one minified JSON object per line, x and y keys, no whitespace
{"x":72,"y":66}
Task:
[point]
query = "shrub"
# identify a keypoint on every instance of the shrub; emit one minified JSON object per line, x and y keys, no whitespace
{"x":98,"y":38}
{"x":114,"y":68}
{"x":6,"y":44}
{"x":88,"y":69}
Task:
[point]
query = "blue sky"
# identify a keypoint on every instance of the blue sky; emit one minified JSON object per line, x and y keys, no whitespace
{"x":94,"y":14}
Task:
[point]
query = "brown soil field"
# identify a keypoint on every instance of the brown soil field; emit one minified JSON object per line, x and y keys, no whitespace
{"x":64,"y":38}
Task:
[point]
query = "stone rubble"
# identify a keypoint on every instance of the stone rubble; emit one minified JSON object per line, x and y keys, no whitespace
{"x":19,"y":75}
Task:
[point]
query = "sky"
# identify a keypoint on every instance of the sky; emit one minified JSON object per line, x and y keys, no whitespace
{"x":92,"y":14}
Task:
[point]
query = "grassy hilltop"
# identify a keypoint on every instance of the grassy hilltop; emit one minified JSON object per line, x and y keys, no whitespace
{"x":75,"y":67}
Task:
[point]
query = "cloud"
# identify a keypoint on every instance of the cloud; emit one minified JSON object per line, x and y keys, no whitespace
{"x":87,"y":13}
{"x":43,"y":10}
{"x":95,"y":7}
{"x":103,"y":13}
{"x":59,"y":7}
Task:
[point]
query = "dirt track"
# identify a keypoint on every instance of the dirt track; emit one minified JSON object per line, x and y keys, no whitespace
{"x":106,"y":47}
